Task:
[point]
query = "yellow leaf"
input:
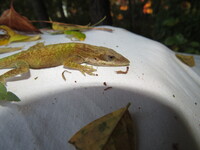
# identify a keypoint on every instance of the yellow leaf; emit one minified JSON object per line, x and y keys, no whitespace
{"x":12,"y":36}
{"x":59,"y":27}
{"x":9,"y":49}
{"x":186,"y":59}
{"x":32,"y":38}
{"x":114,"y":131}
{"x":3,"y":39}
{"x":68,"y":27}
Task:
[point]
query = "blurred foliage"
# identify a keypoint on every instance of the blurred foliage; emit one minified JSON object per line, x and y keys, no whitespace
{"x":175,"y":23}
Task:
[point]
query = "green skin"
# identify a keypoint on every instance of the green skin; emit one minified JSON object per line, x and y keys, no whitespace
{"x":71,"y":55}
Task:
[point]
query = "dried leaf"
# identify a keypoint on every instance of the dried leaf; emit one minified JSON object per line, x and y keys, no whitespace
{"x":77,"y":35}
{"x":12,"y":36}
{"x":9,"y":49}
{"x":65,"y":27}
{"x":53,"y":32}
{"x":186,"y":59}
{"x":15,"y":21}
{"x":73,"y":27}
{"x":113,"y":131}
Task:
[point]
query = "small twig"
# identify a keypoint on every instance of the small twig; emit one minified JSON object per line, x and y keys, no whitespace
{"x":80,"y":27}
{"x":123,"y":72}
{"x":63,"y":75}
{"x":108,"y":88}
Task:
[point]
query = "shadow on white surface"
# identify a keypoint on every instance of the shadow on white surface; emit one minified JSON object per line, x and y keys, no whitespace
{"x":47,"y":122}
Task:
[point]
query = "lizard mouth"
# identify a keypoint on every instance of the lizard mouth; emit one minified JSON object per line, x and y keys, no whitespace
{"x":122,"y":61}
{"x":116,"y":61}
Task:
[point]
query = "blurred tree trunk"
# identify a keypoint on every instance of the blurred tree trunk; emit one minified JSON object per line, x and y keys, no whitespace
{"x":59,"y":5}
{"x":100,"y":9}
{"x":140,"y":23}
{"x":132,"y":16}
{"x":40,"y":11}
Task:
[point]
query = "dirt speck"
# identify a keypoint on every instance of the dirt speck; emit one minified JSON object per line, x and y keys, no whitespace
{"x":108,"y":88}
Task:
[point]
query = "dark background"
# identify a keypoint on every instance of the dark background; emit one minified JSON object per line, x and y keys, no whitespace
{"x":175,"y":23}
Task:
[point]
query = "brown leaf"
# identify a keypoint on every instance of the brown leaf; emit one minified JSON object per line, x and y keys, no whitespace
{"x":113,"y":131}
{"x":15,"y":21}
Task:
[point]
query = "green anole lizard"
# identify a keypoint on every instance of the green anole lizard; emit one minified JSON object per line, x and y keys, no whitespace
{"x":71,"y":55}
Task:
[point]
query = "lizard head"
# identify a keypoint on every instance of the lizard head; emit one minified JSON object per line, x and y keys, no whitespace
{"x":102,"y":56}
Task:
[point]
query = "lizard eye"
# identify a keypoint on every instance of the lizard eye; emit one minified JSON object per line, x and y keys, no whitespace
{"x":109,"y":57}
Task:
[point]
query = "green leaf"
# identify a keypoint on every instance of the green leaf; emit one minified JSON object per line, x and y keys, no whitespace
{"x":76,"y":34}
{"x":170,"y":41}
{"x":2,"y":88}
{"x":12,"y":97}
{"x":7,"y":96}
{"x":171,"y":22}
{"x":180,"y":39}
{"x":195,"y":44}
{"x":3,"y":91}
{"x":177,"y":39}
{"x":2,"y":96}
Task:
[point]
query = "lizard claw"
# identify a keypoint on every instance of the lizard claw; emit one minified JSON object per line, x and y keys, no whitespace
{"x":87,"y":70}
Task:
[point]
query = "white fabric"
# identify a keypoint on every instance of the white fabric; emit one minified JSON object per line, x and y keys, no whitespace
{"x":164,"y":95}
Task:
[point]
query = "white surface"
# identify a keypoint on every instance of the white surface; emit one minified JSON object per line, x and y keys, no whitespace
{"x":164,"y":94}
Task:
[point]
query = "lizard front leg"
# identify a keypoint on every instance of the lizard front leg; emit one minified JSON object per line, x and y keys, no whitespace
{"x":75,"y":63}
{"x":21,"y":67}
